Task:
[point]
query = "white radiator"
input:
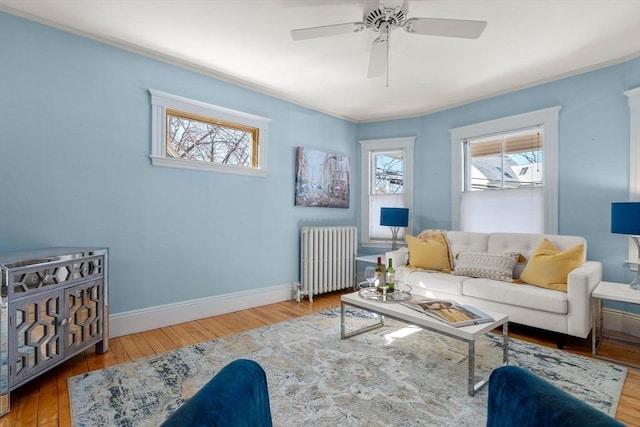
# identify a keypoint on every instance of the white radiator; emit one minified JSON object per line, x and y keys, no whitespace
{"x":327,"y":259}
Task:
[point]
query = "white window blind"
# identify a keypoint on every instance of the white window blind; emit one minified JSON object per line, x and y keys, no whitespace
{"x":382,"y":232}
{"x":518,"y":210}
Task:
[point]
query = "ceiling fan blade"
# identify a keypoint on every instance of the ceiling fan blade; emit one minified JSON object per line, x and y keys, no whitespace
{"x":378,"y":58}
{"x":327,"y":30}
{"x":445,"y":27}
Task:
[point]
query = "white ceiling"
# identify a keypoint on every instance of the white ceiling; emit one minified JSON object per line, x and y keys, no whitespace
{"x":249,"y":42}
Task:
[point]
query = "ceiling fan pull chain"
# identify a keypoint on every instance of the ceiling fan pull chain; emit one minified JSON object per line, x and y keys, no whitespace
{"x":388,"y":43}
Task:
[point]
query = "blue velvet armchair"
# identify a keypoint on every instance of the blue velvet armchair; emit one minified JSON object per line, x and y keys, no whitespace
{"x":520,"y":398}
{"x":237,"y":396}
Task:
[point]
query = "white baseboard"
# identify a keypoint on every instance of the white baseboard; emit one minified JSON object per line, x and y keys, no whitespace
{"x":131,"y":322}
{"x":621,"y":321}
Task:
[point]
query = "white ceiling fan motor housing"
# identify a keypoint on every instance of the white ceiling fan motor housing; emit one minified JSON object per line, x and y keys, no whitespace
{"x":376,"y":14}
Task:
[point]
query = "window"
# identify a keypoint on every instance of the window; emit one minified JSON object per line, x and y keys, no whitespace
{"x":503,"y":182}
{"x":505,"y":174}
{"x":510,"y":160}
{"x":202,"y":139}
{"x":387,"y":181}
{"x":634,"y":159}
{"x":190,"y":134}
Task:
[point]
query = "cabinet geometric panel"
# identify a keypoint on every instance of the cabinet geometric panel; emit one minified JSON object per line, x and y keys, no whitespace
{"x":84,"y":315}
{"x":54,"y":305}
{"x":36,"y":334}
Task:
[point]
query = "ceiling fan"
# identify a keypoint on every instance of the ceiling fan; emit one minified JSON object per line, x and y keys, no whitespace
{"x":382,"y":16}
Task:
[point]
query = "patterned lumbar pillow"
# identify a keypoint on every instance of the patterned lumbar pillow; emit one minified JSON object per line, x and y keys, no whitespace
{"x":487,"y":265}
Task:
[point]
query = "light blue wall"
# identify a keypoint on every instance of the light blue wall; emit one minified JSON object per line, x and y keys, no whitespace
{"x":75,"y":170}
{"x":593,"y":154}
{"x":74,"y":167}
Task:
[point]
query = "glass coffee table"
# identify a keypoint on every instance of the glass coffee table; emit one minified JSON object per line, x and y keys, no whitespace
{"x":468,"y":334}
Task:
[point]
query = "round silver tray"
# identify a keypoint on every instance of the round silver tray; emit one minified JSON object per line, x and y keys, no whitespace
{"x":403,"y":294}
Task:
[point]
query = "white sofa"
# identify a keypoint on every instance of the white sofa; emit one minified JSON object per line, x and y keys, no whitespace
{"x":562,"y":312}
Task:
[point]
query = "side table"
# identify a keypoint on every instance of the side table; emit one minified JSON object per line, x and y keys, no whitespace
{"x":370,"y":259}
{"x":612,"y":292}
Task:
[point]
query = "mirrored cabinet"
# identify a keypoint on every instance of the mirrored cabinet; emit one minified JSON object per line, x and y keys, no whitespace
{"x":54,"y":305}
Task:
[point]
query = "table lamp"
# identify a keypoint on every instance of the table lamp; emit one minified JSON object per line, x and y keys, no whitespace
{"x":625,"y":219}
{"x":394,"y":218}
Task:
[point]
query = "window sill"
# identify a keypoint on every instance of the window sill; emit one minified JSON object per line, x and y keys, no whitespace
{"x":207,"y":167}
{"x":384,"y":245}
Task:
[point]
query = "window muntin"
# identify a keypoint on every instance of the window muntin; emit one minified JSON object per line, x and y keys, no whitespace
{"x":193,"y":137}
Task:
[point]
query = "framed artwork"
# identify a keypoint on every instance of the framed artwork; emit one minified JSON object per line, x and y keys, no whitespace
{"x":322,"y":179}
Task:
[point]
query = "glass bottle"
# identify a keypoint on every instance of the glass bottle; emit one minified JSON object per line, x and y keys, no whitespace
{"x":390,"y":284}
{"x":379,"y":273}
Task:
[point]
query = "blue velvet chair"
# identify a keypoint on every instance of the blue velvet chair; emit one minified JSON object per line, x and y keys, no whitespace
{"x":521,"y":398}
{"x":237,"y":396}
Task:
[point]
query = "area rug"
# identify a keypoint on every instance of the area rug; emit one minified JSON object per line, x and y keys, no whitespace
{"x":397,"y":375}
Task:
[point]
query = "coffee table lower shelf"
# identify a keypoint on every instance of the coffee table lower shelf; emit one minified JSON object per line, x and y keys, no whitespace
{"x":468,"y":334}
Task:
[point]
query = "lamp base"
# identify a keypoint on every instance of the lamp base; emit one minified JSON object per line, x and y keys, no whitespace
{"x":394,"y":238}
{"x":636,"y":282}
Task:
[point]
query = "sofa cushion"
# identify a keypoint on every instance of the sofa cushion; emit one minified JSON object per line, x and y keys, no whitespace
{"x":435,"y":281}
{"x":429,"y":254}
{"x":549,"y":266}
{"x":487,"y":265}
{"x":462,"y":241}
{"x":528,"y":296}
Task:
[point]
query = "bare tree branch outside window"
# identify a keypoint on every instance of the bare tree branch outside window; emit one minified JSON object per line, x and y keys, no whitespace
{"x":389,"y":175}
{"x":195,"y":138}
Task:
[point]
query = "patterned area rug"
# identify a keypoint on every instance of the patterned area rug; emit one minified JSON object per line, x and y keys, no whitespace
{"x":392,"y":376}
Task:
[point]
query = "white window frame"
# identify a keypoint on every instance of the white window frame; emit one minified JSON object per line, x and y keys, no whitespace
{"x":161,"y":101}
{"x":367,"y":147}
{"x":634,"y":160}
{"x":548,"y":118}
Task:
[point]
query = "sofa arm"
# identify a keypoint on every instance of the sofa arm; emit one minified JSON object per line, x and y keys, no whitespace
{"x":520,"y":398}
{"x":580,"y":284}
{"x":399,"y":257}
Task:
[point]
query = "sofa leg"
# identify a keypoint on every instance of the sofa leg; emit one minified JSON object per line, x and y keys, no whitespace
{"x":560,"y":340}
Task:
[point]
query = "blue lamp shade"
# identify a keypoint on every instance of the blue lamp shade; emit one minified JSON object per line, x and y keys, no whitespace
{"x":394,"y":217}
{"x":625,"y":218}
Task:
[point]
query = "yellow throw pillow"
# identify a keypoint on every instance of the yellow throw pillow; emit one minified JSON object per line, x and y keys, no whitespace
{"x":430,"y":233}
{"x":549,"y":267}
{"x":430,"y":254}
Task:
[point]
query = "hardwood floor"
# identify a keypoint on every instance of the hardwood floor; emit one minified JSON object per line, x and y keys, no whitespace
{"x":45,"y":402}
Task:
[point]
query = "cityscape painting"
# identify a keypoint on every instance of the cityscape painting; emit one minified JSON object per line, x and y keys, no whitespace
{"x":322,"y":179}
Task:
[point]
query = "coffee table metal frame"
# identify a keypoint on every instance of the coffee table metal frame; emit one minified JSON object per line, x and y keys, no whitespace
{"x":396,"y":311}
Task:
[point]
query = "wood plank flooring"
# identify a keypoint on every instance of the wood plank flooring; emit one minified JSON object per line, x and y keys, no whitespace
{"x":45,"y":402}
